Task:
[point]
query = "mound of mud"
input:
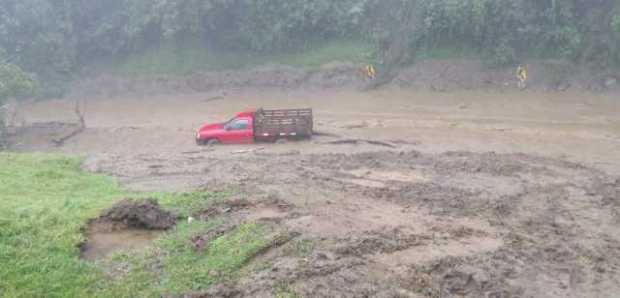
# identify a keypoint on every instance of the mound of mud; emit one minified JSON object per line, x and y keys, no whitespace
{"x":146,"y":214}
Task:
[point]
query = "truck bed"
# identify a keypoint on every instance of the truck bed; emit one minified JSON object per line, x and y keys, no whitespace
{"x":287,"y":123}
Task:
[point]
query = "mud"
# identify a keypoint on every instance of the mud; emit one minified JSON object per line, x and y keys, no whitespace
{"x":104,"y":239}
{"x":452,"y":224}
{"x":39,"y":136}
{"x":436,"y":75}
{"x":144,"y":214}
{"x":452,"y":74}
{"x":128,"y":225}
{"x":329,"y":76}
{"x":230,"y":206}
{"x":484,"y":194}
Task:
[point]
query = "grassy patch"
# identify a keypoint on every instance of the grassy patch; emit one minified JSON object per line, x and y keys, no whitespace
{"x":299,"y":248}
{"x":284,"y":290}
{"x":447,"y":52}
{"x":185,"y":204}
{"x":188,"y":270}
{"x":187,"y":58}
{"x":174,"y":267}
{"x":347,"y":51}
{"x":46,"y":201}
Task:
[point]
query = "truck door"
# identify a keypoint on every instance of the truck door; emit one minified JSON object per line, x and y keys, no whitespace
{"x":239,"y":131}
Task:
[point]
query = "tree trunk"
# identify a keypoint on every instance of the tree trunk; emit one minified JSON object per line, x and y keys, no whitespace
{"x":4,"y":142}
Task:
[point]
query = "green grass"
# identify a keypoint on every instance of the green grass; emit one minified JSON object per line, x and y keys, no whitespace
{"x":284,"y":290}
{"x":448,"y":52}
{"x":45,"y":202}
{"x":187,"y":58}
{"x":183,"y":269}
{"x":343,"y":51}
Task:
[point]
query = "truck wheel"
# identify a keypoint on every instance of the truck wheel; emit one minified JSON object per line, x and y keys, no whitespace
{"x":213,"y":142}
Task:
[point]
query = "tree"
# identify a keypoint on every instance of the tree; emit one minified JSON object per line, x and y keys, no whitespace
{"x":55,"y":38}
{"x":14,"y":83}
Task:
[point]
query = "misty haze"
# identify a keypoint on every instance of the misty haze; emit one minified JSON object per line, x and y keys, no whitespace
{"x":317,"y":148}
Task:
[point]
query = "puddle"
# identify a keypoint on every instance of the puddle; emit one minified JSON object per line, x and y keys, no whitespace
{"x":105,"y":239}
{"x":128,"y":225}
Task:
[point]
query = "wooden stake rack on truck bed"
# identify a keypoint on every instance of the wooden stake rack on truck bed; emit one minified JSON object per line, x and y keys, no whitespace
{"x":296,"y":123}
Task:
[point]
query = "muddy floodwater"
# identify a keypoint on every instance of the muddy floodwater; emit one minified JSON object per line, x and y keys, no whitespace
{"x":103,"y":241}
{"x":128,"y":225}
{"x":476,"y":194}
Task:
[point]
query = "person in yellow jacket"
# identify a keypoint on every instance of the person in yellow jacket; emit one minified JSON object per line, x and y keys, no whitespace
{"x":371,"y":72}
{"x":522,"y":76}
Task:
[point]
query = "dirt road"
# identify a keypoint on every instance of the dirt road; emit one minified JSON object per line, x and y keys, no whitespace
{"x":486,"y":194}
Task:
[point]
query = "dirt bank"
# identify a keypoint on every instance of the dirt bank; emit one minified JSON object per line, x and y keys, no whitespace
{"x":330,"y":76}
{"x":551,"y":76}
{"x":435,"y":75}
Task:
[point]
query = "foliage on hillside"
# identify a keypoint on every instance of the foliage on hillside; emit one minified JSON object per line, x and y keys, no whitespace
{"x":14,"y":83}
{"x":55,"y":38}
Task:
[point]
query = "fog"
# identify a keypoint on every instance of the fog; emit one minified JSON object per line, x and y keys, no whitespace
{"x":309,"y":148}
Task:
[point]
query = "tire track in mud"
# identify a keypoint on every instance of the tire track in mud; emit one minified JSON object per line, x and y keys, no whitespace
{"x":405,"y":223}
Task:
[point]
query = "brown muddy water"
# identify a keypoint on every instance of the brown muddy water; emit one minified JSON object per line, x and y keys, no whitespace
{"x":128,"y":225}
{"x":104,"y":240}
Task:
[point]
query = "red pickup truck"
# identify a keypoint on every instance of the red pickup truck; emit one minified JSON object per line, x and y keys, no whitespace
{"x":259,"y":126}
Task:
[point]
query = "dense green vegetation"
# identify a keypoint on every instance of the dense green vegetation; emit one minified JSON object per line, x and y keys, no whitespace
{"x":46,"y":201}
{"x":14,"y":83}
{"x":56,"y":38}
{"x":171,"y":58}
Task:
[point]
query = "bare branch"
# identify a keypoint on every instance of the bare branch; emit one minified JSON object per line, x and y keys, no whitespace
{"x":81,"y":125}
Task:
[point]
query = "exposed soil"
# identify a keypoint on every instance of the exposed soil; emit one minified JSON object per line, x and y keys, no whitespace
{"x":40,"y":136}
{"x":435,"y":75}
{"x":553,"y":76}
{"x":144,"y":214}
{"x":476,"y":194}
{"x":452,"y":224}
{"x":330,"y":76}
{"x":128,"y":225}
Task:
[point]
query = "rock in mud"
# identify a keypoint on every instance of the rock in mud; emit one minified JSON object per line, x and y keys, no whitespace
{"x":144,"y":214}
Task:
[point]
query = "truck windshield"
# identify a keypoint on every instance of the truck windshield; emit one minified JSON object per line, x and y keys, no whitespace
{"x":238,"y":124}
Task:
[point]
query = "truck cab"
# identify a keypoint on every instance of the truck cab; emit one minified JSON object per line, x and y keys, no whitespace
{"x":239,"y":130}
